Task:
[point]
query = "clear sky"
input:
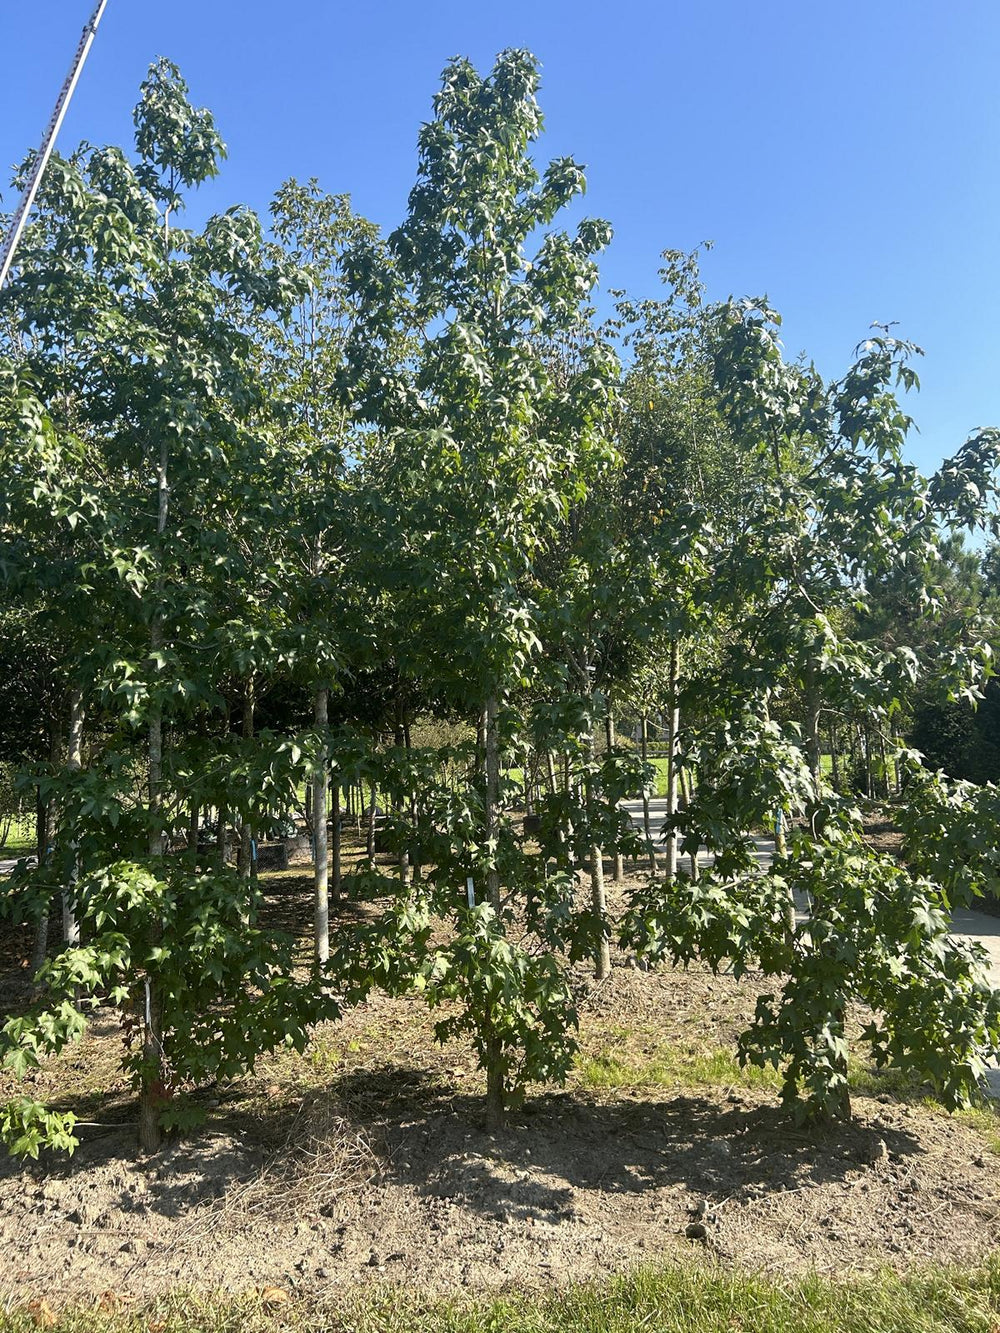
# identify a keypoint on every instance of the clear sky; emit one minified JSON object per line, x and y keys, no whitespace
{"x":842,"y":154}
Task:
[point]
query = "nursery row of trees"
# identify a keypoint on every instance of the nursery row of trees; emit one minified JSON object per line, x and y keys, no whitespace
{"x":269,"y":495}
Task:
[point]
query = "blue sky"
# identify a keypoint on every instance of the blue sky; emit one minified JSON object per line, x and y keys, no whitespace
{"x":843,"y":156}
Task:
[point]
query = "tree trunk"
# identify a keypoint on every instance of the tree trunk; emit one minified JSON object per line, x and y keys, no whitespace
{"x":496,"y":1108}
{"x":834,"y":759}
{"x":550,"y":766}
{"x":246,"y":832}
{"x":370,"y":845}
{"x":220,"y":837}
{"x":673,"y":727}
{"x":814,"y":748}
{"x":491,"y":810}
{"x":685,"y":796}
{"x":194,"y":820}
{"x":403,"y":854}
{"x":41,"y":943}
{"x":602,"y":950}
{"x":609,"y":727}
{"x":866,"y":746}
{"x":322,"y":872}
{"x":153,"y":1086}
{"x":495,"y":1090}
{"x":74,"y":763}
{"x":335,"y":879}
{"x":646,"y":825}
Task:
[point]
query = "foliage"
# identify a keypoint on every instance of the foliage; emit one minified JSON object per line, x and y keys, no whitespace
{"x":400,"y":515}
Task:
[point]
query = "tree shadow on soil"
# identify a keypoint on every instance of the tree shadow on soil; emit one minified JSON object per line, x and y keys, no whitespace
{"x":426,"y":1133}
{"x":432,"y":1139}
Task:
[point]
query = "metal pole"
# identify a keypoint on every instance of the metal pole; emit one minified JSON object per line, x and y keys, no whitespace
{"x":48,"y":142}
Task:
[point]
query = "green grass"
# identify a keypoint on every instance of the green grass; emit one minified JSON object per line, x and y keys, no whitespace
{"x":673,"y":1067}
{"x":670,"y":1067}
{"x":20,"y":839}
{"x":985,"y":1120}
{"x":692,"y":1298}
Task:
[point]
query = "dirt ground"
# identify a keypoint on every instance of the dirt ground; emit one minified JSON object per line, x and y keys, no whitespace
{"x":366,"y":1159}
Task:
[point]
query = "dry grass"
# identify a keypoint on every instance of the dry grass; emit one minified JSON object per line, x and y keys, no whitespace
{"x":322,"y":1157}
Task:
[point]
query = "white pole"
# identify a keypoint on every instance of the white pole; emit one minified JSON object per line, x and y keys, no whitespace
{"x":48,"y":142}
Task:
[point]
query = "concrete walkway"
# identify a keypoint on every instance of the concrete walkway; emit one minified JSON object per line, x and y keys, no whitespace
{"x":7,"y":864}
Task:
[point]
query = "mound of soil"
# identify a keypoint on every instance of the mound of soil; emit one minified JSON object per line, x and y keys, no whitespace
{"x":385,"y":1172}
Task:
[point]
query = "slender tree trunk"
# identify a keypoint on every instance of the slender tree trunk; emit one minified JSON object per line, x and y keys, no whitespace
{"x":244,"y":854}
{"x":492,"y":801}
{"x":814,"y":747}
{"x":41,"y":943}
{"x":602,"y":950}
{"x":220,"y":837}
{"x":495,"y":1091}
{"x":335,"y":876}
{"x":685,"y":797}
{"x":74,"y":763}
{"x":673,"y":727}
{"x":834,"y":759}
{"x":372,"y":808}
{"x":153,"y":1088}
{"x":194,"y":820}
{"x":866,"y":746}
{"x":550,"y":766}
{"x":401,"y":744}
{"x":320,"y":800}
{"x":647,"y":829}
{"x":609,"y":727}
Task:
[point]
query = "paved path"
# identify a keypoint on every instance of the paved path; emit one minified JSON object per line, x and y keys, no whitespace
{"x":7,"y":864}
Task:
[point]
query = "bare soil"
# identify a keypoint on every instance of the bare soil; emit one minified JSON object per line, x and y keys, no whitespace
{"x":367,"y":1159}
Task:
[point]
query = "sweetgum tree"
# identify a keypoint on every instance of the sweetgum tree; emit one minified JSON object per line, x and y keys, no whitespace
{"x":135,"y":334}
{"x":479,"y":459}
{"x":833,"y":511}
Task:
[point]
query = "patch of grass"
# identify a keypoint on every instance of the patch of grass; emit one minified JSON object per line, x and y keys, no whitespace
{"x":689,"y":1299}
{"x":666,"y":1066}
{"x":985,"y":1119}
{"x":20,"y":841}
{"x":869,"y":1082}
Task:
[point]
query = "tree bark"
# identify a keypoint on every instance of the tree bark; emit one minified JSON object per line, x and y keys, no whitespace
{"x":647,"y":828}
{"x":220,"y":837}
{"x":813,"y":746}
{"x":322,"y":871}
{"x":194,"y":820}
{"x":244,"y":855}
{"x":74,"y":763}
{"x":153,"y":1086}
{"x":602,"y":949}
{"x":491,"y":811}
{"x":673,"y":727}
{"x":495,"y":1090}
{"x":41,"y":942}
{"x":335,"y":876}
{"x":370,"y":845}
{"x":609,"y":727}
{"x":550,"y":765}
{"x":834,"y":759}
